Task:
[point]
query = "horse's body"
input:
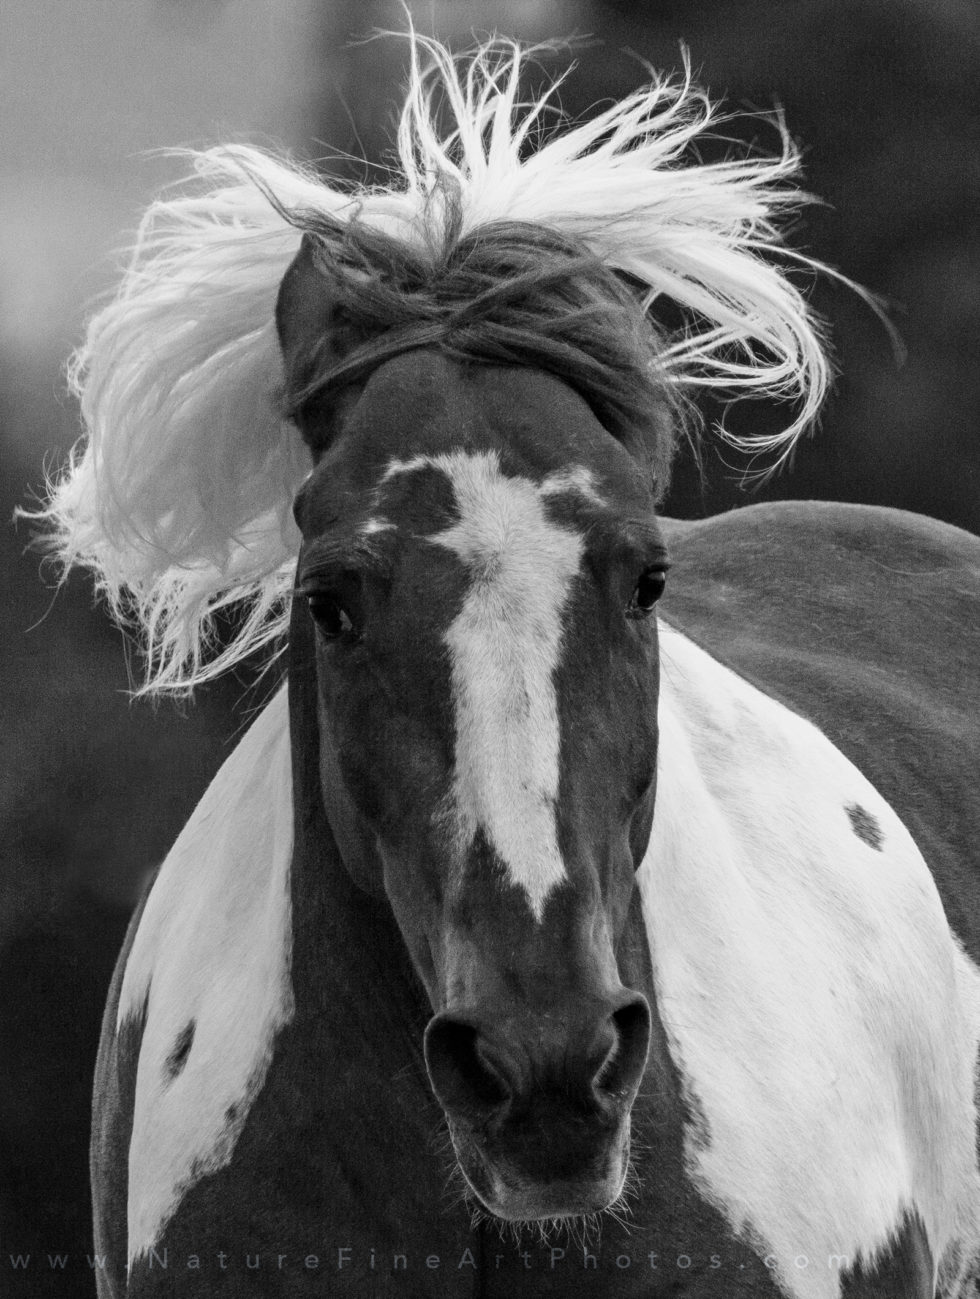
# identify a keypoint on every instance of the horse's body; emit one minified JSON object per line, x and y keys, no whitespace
{"x":510,"y":900}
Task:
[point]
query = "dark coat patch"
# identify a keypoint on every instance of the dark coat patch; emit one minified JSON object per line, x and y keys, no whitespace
{"x":112,"y":1126}
{"x":865,"y":826}
{"x":177,"y":1058}
{"x":903,"y":1270}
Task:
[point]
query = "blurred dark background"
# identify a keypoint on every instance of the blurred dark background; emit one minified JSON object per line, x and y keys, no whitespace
{"x":884,"y":98}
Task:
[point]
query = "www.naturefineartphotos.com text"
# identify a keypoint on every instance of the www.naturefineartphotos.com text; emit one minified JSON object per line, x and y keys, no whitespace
{"x":342,"y":1260}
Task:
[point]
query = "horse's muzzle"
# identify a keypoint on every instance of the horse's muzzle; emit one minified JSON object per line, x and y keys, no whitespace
{"x":538,"y":1104}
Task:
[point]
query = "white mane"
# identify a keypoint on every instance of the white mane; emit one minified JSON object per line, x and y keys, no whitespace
{"x":179,"y":499}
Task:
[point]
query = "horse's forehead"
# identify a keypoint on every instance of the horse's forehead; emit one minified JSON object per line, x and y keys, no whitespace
{"x":425,"y":404}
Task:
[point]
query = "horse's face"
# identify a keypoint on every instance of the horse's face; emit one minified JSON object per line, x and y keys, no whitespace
{"x":481,"y":560}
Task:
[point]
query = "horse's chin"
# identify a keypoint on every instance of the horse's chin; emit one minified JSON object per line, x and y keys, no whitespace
{"x":551,"y":1204}
{"x":504,"y":1189}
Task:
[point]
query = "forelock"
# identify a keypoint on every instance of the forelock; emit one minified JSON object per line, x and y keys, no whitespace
{"x":507,"y":293}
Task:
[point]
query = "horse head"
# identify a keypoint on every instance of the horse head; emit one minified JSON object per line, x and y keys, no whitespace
{"x":481,"y":563}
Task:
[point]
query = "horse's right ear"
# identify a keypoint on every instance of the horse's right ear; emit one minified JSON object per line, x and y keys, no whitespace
{"x":316,"y":330}
{"x":304,"y":318}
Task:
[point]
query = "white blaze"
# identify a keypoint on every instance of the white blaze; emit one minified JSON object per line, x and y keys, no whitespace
{"x":505,"y":645}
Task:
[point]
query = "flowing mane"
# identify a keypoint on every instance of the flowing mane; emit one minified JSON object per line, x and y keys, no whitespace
{"x":179,"y":498}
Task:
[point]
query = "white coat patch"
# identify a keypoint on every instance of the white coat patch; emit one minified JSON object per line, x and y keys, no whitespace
{"x":505,"y":646}
{"x":213,"y":946}
{"x":819,"y":1008}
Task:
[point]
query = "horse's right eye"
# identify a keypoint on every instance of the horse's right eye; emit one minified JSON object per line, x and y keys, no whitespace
{"x":331,"y":618}
{"x":649,"y":588}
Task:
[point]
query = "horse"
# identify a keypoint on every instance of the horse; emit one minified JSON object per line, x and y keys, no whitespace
{"x":559,"y":925}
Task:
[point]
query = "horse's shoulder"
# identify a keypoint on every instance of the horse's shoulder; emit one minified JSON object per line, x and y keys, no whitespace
{"x":792,"y":916}
{"x":201,"y":988}
{"x":864,"y":621}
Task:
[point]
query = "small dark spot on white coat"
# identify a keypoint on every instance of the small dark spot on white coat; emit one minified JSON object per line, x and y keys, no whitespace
{"x":865,"y":826}
{"x":181,"y":1050}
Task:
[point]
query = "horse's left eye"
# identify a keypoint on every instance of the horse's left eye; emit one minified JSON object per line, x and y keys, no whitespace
{"x":330,"y":616}
{"x":647,"y":592}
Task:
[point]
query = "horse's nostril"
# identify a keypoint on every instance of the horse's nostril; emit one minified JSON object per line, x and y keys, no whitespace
{"x":607,"y":1069}
{"x":464,"y":1076}
{"x":479,"y":1075}
{"x":622,"y":1066}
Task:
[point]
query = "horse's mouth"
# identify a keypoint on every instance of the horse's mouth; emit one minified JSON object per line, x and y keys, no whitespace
{"x":519,"y":1190}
